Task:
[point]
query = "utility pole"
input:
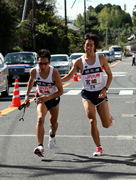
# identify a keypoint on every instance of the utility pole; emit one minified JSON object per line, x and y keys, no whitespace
{"x":65,"y":5}
{"x":24,"y":10}
{"x":34,"y":24}
{"x":65,"y":12}
{"x":106,"y":37}
{"x":84,"y":17}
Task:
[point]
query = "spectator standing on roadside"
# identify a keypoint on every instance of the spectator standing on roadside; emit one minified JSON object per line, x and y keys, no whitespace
{"x":94,"y":86}
{"x":133,"y":58}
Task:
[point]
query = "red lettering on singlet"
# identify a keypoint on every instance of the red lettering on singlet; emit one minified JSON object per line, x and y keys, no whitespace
{"x":92,"y":76}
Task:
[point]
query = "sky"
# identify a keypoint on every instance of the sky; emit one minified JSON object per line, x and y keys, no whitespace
{"x":79,"y":6}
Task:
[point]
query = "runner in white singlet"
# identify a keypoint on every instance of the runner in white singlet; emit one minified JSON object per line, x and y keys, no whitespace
{"x":48,"y":88}
{"x":94,"y":87}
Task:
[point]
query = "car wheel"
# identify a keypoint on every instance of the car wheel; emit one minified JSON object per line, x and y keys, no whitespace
{"x":6,"y":92}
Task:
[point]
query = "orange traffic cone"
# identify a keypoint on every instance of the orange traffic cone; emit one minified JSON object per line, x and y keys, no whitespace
{"x":79,"y":77}
{"x":103,"y":68}
{"x":16,"y":97}
{"x":36,"y":92}
{"x":75,"y":77}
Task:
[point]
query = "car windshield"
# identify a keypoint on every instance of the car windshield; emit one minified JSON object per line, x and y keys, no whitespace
{"x":106,"y":54}
{"x":58,"y":58}
{"x":20,"y":58}
{"x":117,"y":49}
{"x":75,"y":56}
{"x":101,"y":54}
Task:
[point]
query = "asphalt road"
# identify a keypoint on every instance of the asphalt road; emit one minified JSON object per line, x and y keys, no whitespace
{"x":72,"y":158}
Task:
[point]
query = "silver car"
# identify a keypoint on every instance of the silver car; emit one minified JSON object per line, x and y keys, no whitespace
{"x":19,"y":65}
{"x":4,"y":85}
{"x":61,"y":62}
{"x":74,"y":56}
{"x":107,"y":55}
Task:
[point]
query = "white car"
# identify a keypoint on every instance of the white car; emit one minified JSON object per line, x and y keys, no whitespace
{"x":74,"y":56}
{"x":112,"y":55}
{"x":100,"y":53}
{"x":117,"y":51}
{"x":118,"y":56}
{"x":107,"y":55}
{"x":61,"y":62}
{"x":4,"y":85}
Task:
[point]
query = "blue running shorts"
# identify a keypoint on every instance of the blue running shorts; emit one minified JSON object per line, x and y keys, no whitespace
{"x":93,"y":97}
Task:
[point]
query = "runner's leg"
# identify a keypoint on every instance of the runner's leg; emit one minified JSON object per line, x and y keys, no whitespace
{"x":41,"y":113}
{"x":53,"y":119}
{"x":103,"y":111}
{"x":91,"y":114}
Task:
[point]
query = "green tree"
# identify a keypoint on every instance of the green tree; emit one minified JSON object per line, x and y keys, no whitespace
{"x":104,"y":18}
{"x":52,"y":38}
{"x":134,"y":16}
{"x":75,"y":41}
{"x":79,"y":22}
{"x":45,"y":5}
{"x":8,"y":18}
{"x":98,"y":8}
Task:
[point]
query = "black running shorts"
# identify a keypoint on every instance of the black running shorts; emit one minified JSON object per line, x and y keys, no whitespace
{"x":93,"y":97}
{"x":51,"y":103}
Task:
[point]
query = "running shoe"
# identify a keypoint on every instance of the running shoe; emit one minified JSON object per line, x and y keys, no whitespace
{"x":39,"y":151}
{"x":52,"y":141}
{"x":98,"y":152}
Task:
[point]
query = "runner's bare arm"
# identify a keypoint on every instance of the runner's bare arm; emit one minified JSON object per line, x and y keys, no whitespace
{"x":104,"y":63}
{"x":57,"y":80}
{"x":72,"y":71}
{"x":30,"y":83}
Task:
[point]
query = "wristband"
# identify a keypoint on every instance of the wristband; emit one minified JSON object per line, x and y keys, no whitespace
{"x":106,"y":88}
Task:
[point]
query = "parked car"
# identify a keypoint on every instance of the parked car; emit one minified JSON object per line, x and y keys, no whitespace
{"x":112,"y":55}
{"x":118,"y":56}
{"x":4,"y":85}
{"x":74,"y":56}
{"x":117,"y":51}
{"x":107,"y":55}
{"x":61,"y":62}
{"x":100,"y":53}
{"x":19,"y":65}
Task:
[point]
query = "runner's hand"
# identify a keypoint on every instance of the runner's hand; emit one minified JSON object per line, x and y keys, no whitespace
{"x":102,"y":94}
{"x":26,"y":101}
{"x":42,"y":99}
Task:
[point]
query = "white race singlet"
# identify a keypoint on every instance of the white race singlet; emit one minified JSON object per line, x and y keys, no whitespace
{"x":92,"y":75}
{"x":45,"y":86}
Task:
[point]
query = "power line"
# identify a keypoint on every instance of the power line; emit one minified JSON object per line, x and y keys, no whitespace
{"x":73,"y":4}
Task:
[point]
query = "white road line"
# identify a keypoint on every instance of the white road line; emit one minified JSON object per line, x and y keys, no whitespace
{"x":123,"y":88}
{"x":72,"y":92}
{"x":128,"y":115}
{"x":76,"y":91}
{"x":132,"y":88}
{"x":126,"y":92}
{"x":22,"y":92}
{"x":119,"y":72}
{"x":131,"y":102}
{"x":71,"y":136}
{"x":116,"y":75}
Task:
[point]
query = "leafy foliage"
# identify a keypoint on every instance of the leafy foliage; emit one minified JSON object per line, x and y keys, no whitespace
{"x":104,"y":20}
{"x":8,"y":19}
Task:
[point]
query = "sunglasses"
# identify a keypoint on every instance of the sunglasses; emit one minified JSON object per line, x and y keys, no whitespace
{"x":40,"y":63}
